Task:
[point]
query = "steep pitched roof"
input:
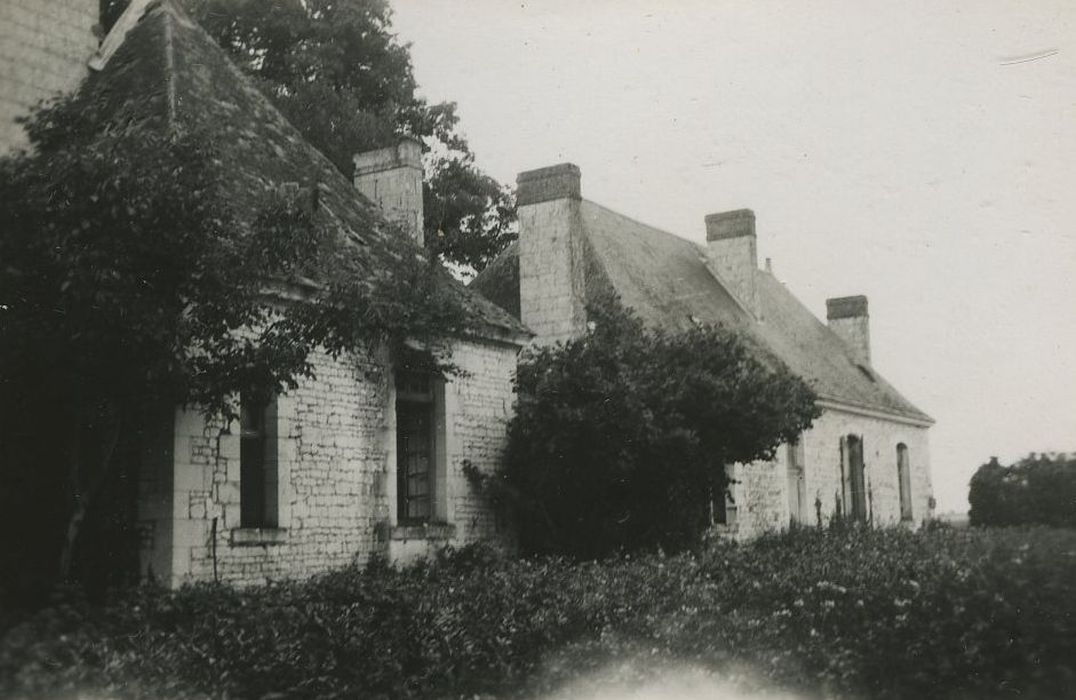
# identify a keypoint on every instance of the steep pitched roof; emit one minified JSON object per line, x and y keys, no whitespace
{"x":168,"y":72}
{"x":665,"y":280}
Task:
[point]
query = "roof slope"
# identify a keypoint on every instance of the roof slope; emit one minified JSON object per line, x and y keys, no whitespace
{"x":665,"y":280}
{"x":170,"y":73}
{"x":659,"y":275}
{"x":816,"y":353}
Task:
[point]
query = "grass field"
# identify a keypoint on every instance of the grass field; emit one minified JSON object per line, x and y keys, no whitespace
{"x":885,"y":613}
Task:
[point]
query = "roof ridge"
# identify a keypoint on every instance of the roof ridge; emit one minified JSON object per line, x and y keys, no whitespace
{"x":170,"y":69}
{"x":176,"y":12}
{"x":130,"y":17}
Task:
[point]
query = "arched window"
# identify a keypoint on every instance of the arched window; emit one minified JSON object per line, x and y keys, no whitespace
{"x":904,"y":479}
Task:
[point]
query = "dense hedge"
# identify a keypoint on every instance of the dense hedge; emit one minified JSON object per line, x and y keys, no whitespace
{"x":952,"y":613}
{"x":1037,"y":490}
{"x":621,"y":437}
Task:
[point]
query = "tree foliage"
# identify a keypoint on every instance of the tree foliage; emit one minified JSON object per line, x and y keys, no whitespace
{"x":1036,"y":490}
{"x":621,"y":437}
{"x":129,"y":284}
{"x":339,"y":74}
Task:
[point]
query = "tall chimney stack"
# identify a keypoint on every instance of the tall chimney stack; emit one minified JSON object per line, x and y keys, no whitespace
{"x":391,"y":178}
{"x":847,"y":317}
{"x":551,"y":270}
{"x":733,"y":256}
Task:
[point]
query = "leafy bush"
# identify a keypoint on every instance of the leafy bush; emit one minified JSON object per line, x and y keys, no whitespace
{"x":621,"y":437}
{"x":881,"y":614}
{"x":1037,"y":490}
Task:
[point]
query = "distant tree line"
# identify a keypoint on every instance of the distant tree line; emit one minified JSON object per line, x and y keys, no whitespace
{"x":1037,"y":490}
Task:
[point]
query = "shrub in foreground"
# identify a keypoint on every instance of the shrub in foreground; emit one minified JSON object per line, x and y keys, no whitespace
{"x":620,"y":437}
{"x":875,"y":613}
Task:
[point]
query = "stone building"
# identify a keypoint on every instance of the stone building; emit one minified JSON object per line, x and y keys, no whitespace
{"x":365,"y":458}
{"x":867,"y":456}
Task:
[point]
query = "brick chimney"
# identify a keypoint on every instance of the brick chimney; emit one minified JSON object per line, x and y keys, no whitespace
{"x":551,"y":281}
{"x":847,"y":317}
{"x":392,"y":179}
{"x":733,"y":256}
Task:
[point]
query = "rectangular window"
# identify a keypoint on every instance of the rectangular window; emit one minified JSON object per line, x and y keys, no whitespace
{"x":856,"y":479}
{"x":719,"y":512}
{"x":722,"y":505}
{"x":415,"y":447}
{"x":257,"y":464}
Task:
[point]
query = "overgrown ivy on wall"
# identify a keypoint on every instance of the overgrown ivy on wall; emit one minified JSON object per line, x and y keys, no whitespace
{"x":130,"y":281}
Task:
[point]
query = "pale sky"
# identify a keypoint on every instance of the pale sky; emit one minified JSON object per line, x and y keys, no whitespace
{"x":906,"y":151}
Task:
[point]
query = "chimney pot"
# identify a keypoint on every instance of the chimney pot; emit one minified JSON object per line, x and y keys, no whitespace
{"x":730,"y":224}
{"x":545,"y":184}
{"x":846,"y":307}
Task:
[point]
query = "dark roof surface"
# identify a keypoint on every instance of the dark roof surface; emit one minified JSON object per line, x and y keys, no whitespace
{"x":667,"y":282}
{"x":171,"y":72}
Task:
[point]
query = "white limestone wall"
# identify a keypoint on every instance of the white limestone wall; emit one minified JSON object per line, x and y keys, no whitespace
{"x":331,"y":467}
{"x":44,"y":47}
{"x":762,"y":496}
{"x":479,"y":407}
{"x":336,"y":476}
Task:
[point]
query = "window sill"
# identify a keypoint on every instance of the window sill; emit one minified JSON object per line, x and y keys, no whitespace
{"x":258,"y":536}
{"x":423,"y":531}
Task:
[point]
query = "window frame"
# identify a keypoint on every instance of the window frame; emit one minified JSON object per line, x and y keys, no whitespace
{"x":854,"y":478}
{"x":796,"y":469}
{"x":904,"y":483}
{"x":419,"y":389}
{"x":259,"y":500}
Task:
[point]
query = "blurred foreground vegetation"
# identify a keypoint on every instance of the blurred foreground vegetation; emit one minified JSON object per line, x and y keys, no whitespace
{"x":886,"y":613}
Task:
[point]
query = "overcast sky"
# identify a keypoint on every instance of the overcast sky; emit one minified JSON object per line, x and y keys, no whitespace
{"x":921,"y":153}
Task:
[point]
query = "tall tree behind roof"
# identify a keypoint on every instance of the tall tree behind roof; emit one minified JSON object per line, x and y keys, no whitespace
{"x":339,"y":74}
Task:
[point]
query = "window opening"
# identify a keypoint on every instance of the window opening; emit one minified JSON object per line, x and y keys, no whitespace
{"x":257,"y":473}
{"x":415,"y":446}
{"x":904,"y":477}
{"x":797,"y":483}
